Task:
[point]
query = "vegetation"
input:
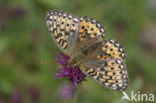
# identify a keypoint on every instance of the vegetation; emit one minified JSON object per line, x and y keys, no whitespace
{"x":25,"y":42}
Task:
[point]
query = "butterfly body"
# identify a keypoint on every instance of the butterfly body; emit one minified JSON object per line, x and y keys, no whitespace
{"x":81,"y":38}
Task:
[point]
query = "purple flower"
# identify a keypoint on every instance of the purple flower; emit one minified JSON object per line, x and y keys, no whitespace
{"x":66,"y":91}
{"x":73,"y":74}
{"x":34,"y":94}
{"x":16,"y":98}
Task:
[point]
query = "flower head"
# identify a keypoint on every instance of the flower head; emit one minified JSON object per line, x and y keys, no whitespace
{"x":74,"y":74}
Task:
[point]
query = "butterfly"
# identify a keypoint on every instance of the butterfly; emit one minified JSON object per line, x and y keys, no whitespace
{"x":82,"y":39}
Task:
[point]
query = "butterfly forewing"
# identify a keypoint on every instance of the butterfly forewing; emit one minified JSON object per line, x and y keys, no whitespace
{"x":89,"y":28}
{"x":72,"y":33}
{"x":62,"y":27}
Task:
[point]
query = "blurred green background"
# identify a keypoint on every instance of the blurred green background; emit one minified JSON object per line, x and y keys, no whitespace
{"x":25,"y":43}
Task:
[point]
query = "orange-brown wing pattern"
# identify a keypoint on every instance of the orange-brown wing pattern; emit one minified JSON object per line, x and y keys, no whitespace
{"x":90,"y":28}
{"x":111,"y":48}
{"x":81,"y":38}
{"x":111,"y":73}
{"x":62,"y":27}
{"x":71,"y":33}
{"x":108,"y":67}
{"x":89,"y":34}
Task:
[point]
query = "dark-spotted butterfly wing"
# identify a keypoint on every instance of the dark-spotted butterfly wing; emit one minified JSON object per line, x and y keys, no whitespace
{"x":81,"y":38}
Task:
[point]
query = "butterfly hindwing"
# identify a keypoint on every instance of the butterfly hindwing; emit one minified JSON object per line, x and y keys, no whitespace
{"x":113,"y":76}
{"x":111,"y":48}
{"x":106,"y":66}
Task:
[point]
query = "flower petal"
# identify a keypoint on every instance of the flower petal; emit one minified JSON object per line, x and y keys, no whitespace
{"x":61,"y":62}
